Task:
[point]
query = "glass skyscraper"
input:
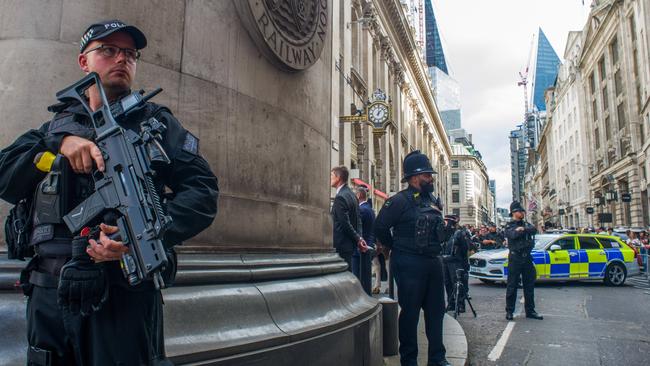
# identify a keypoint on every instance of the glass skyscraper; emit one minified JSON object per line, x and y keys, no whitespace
{"x":446,"y":88}
{"x":547,"y":64}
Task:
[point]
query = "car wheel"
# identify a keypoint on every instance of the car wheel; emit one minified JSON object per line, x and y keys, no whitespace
{"x":615,"y":275}
{"x":488,"y":282}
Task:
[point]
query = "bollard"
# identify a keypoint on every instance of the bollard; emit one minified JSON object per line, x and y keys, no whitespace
{"x":389,"y":311}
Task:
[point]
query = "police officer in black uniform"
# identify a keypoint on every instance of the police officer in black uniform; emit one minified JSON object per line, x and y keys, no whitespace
{"x":520,"y":235}
{"x":455,"y":257}
{"x":418,"y":229}
{"x":123,"y":325}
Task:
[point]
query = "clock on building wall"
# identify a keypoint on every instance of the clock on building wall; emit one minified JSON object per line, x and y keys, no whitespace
{"x":378,"y":111}
{"x":378,"y":114}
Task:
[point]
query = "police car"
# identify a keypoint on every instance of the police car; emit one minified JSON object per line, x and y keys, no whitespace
{"x":565,"y":257}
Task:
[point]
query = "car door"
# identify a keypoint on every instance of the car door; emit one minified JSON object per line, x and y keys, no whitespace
{"x":593,"y":258}
{"x":560,"y":260}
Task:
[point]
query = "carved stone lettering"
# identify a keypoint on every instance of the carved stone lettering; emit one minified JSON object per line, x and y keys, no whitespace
{"x":290,"y":33}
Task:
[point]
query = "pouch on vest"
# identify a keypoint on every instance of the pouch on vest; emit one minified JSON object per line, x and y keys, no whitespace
{"x":427,"y":229}
{"x":50,"y":202}
{"x":17,"y":231}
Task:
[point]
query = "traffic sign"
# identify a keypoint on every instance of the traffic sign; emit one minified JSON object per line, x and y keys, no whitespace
{"x":626,"y":197}
{"x":590,"y":210}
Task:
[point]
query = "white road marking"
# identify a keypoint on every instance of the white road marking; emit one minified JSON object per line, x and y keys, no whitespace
{"x":503,"y":340}
{"x":498,"y":348}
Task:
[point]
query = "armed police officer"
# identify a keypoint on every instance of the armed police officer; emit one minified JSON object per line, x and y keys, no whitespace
{"x":418,"y":229}
{"x":521,"y":240}
{"x":97,"y":317}
{"x":455,"y":257}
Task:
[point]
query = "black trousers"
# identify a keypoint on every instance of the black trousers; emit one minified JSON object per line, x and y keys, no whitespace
{"x":128,"y":330}
{"x":520,"y":266}
{"x":362,"y":268}
{"x":420,"y":287}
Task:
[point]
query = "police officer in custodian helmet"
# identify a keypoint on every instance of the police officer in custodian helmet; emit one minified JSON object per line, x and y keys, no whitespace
{"x":520,"y":235}
{"x":418,"y":229}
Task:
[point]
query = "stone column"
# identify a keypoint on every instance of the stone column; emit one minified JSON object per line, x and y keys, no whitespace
{"x":262,"y":284}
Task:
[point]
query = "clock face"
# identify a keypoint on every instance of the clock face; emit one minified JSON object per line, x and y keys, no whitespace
{"x":378,"y":114}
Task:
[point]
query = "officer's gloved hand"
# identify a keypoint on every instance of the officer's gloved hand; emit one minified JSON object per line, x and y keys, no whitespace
{"x":83,"y":286}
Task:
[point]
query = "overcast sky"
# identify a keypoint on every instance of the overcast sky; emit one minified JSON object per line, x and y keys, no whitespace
{"x":487,"y":43}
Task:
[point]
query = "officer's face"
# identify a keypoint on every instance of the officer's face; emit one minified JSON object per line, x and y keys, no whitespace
{"x":423,"y":179}
{"x":116,"y":73}
{"x":519,"y":215}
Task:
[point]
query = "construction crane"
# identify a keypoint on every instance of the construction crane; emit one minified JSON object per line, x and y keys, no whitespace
{"x":523,"y":75}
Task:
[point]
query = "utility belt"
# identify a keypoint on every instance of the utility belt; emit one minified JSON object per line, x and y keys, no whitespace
{"x":520,"y":253}
{"x":407,"y":245}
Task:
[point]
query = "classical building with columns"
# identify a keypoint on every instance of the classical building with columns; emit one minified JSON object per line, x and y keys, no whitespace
{"x":595,"y":152}
{"x":615,"y":79}
{"x":567,"y":135}
{"x":376,"y":53}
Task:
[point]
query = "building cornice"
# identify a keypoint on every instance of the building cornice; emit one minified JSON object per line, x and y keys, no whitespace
{"x":398,"y":25}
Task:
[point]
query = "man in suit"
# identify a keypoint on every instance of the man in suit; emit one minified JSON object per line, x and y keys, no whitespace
{"x":345,"y":214}
{"x":361,"y":262}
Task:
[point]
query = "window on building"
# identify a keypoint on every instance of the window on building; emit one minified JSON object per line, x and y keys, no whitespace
{"x":596,"y":138}
{"x":608,"y":129}
{"x":455,"y":196}
{"x":621,"y":115}
{"x":605,"y":98}
{"x":601,"y":68}
{"x":613,"y":49}
{"x":454,"y":164}
{"x":594,"y":109}
{"x":592,"y":83}
{"x":454,"y":178}
{"x":456,"y":211}
{"x":618,"y":83}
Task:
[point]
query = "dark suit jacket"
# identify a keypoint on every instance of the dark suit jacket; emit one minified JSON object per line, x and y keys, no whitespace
{"x":367,"y":221}
{"x":347,"y":222}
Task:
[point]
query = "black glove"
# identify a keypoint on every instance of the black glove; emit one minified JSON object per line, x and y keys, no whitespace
{"x":83,"y":286}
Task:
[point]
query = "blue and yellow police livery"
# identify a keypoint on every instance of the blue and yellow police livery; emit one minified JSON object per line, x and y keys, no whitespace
{"x":565,"y":257}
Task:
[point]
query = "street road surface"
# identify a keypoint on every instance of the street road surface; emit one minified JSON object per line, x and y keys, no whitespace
{"x":584,"y":324}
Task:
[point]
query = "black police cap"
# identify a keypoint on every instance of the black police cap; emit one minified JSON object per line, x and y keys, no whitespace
{"x":105,"y":28}
{"x":416,"y":163}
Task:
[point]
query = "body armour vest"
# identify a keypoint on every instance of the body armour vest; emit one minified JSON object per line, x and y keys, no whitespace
{"x":421,"y":232}
{"x":61,"y":189}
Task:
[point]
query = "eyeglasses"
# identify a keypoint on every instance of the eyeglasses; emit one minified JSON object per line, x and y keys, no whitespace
{"x":109,"y":51}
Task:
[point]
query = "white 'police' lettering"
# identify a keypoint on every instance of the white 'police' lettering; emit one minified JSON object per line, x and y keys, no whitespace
{"x":113,"y":25}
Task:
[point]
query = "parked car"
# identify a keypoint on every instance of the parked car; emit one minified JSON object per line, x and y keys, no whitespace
{"x":562,"y":257}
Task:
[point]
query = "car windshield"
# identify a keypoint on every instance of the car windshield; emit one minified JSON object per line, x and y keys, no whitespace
{"x":542,"y":240}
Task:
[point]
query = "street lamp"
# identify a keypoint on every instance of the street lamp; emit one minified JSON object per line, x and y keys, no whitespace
{"x":611,"y":196}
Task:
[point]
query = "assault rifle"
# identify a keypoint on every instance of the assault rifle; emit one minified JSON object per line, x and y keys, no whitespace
{"x":125,"y":188}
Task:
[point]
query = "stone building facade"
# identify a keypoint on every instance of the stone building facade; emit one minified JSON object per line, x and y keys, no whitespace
{"x":596,"y":146}
{"x":568,"y":134}
{"x":375,"y":49}
{"x":469,"y":187}
{"x":614,"y":65}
